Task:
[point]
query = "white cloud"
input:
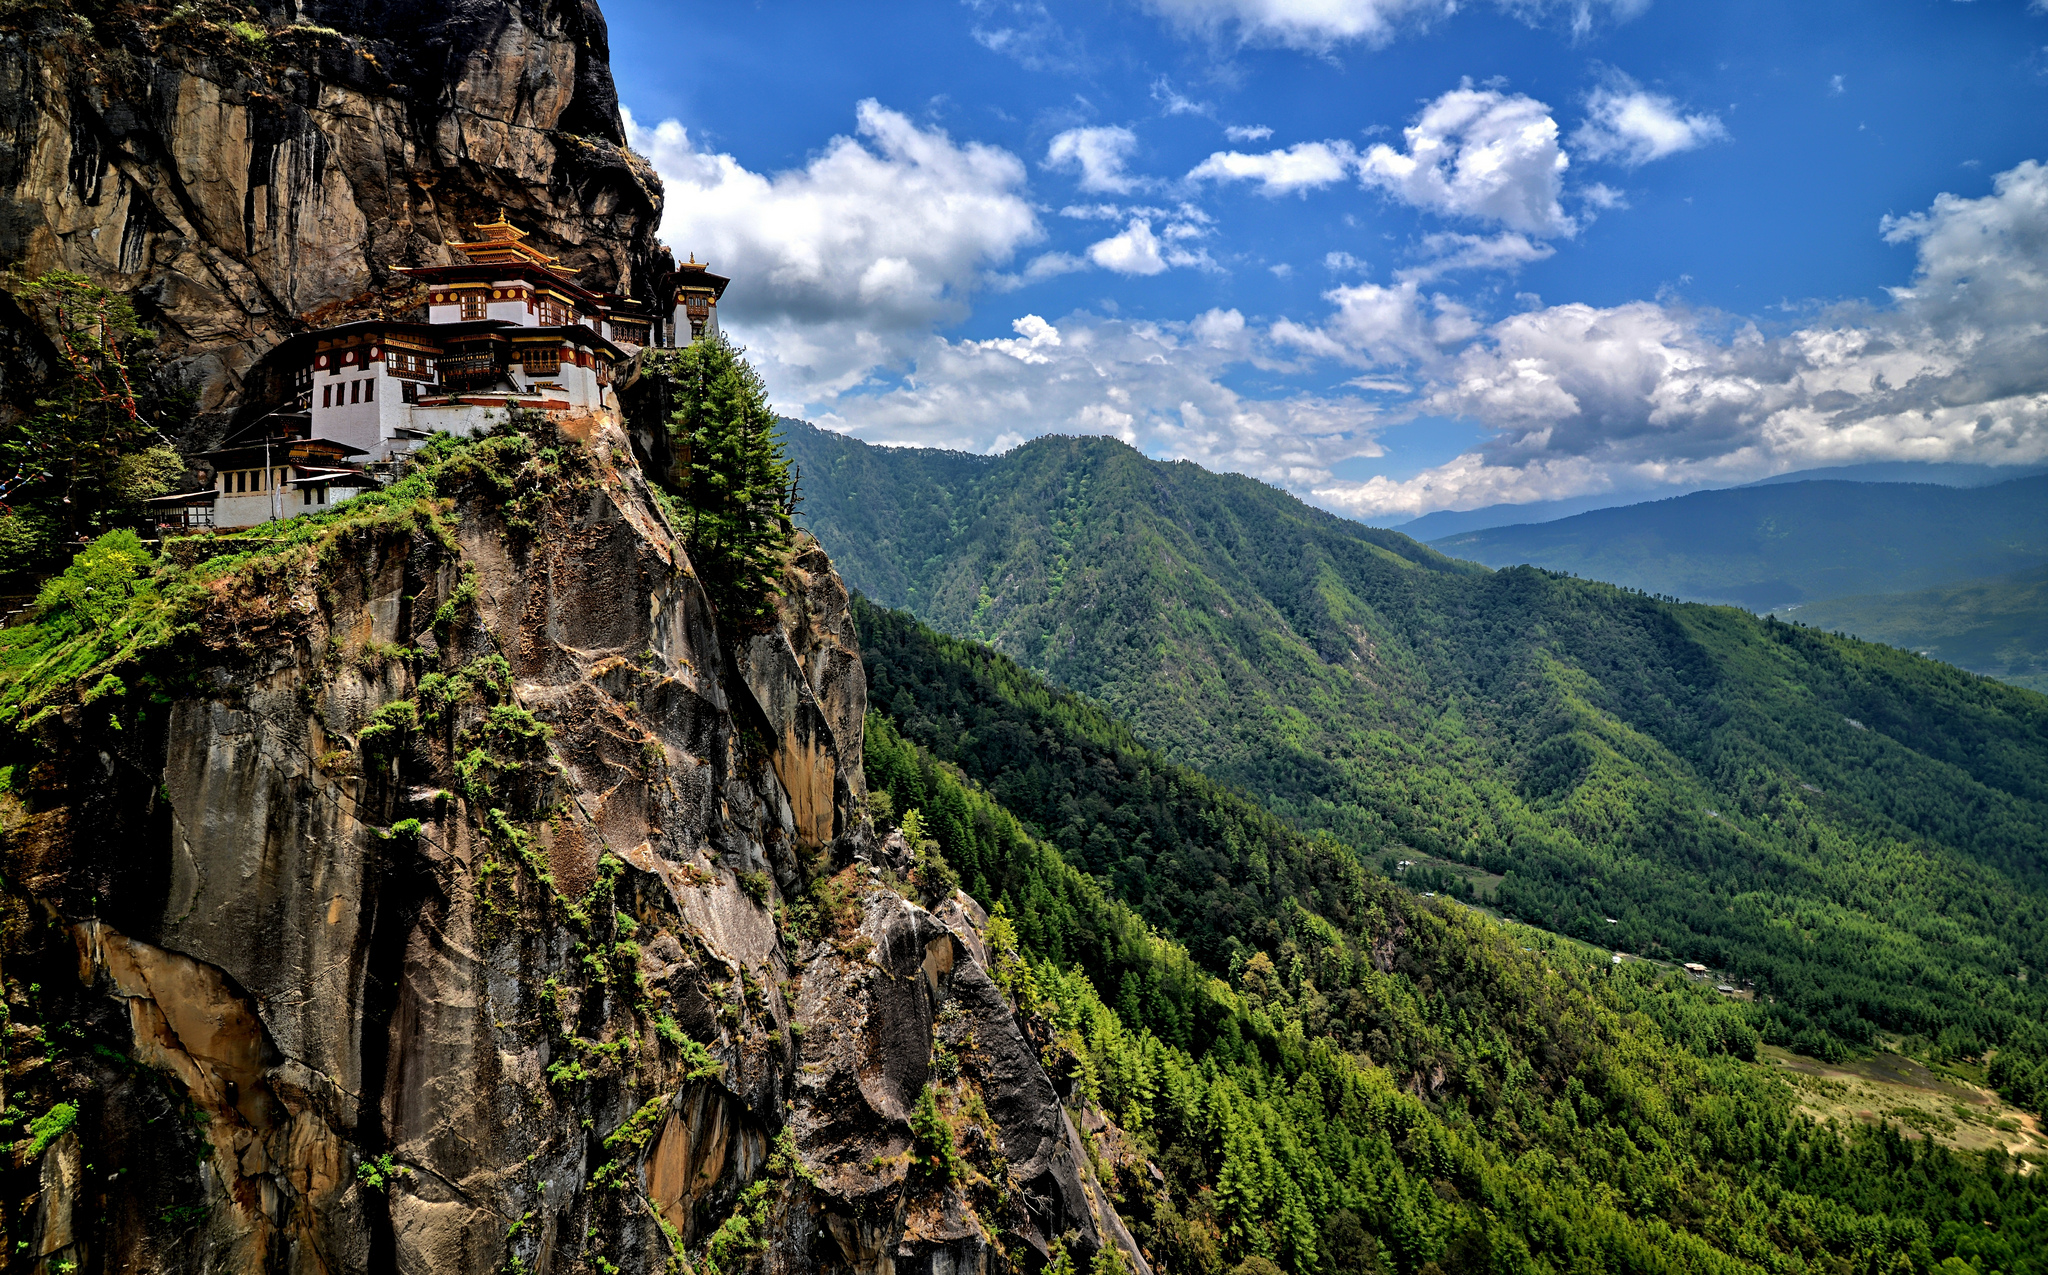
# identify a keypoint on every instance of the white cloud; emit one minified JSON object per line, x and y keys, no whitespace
{"x":1099,"y":155}
{"x":1319,"y":25}
{"x":1482,"y":154}
{"x":1837,"y":86}
{"x":1033,"y":343}
{"x":1446,"y":253}
{"x":1135,"y":251}
{"x":1157,"y":386}
{"x":1256,"y":132}
{"x":1299,"y":168}
{"x":1602,"y":196}
{"x":1341,"y":261}
{"x":1632,"y":126}
{"x":1586,"y":398}
{"x":1138,"y":251}
{"x":1174,"y":102}
{"x":1375,"y":326}
{"x":845,"y":264}
{"x":1026,"y":31}
{"x":1046,"y":265}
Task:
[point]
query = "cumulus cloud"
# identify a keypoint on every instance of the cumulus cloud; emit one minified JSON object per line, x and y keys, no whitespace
{"x":1320,"y":25}
{"x":1585,"y":398}
{"x":1480,"y":154}
{"x":1632,"y":126}
{"x":1098,"y":155}
{"x":850,"y":264}
{"x":848,"y":261}
{"x":1376,"y":326}
{"x":1157,"y":386}
{"x":1135,"y":251}
{"x":1300,"y":168}
{"x":1139,"y":251}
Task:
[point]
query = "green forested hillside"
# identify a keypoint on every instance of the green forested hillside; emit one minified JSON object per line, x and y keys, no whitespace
{"x":1772,"y":546}
{"x":1859,"y":831}
{"x":1997,"y":627}
{"x":1332,"y":1075}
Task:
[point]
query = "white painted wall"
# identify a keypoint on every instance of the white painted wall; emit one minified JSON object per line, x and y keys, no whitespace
{"x":579,"y":385}
{"x":367,"y":425}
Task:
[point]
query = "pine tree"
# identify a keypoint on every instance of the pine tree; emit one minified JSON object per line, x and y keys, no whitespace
{"x":739,"y":489}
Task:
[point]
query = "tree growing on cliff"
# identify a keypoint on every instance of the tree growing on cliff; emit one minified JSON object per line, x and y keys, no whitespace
{"x":739,"y":489}
{"x":86,"y":449}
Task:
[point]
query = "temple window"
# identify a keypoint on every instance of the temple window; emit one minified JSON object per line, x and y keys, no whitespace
{"x":475,"y":305}
{"x":541,"y":362}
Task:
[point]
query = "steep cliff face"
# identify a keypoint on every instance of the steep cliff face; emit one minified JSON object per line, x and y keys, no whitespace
{"x":244,"y":170}
{"x":443,"y":891}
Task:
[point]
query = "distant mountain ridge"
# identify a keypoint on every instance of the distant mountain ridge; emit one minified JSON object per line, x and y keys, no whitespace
{"x":1771,"y":546}
{"x":1451,"y":522}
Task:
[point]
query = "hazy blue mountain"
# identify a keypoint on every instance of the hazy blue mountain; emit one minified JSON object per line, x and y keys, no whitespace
{"x":1451,"y":522}
{"x":1997,"y":627}
{"x":1772,"y":546}
{"x":1908,"y":471}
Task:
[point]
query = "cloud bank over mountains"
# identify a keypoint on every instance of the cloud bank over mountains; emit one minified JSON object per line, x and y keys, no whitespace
{"x":1319,"y":25}
{"x":851,"y":267}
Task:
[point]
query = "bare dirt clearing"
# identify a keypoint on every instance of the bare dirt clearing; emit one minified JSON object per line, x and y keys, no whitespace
{"x":1889,"y":1088}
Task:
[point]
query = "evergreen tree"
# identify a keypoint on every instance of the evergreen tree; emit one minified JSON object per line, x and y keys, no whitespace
{"x":739,"y":489}
{"x":86,"y":449}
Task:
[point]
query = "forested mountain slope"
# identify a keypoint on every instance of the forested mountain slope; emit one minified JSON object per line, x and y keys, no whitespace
{"x":1297,"y":1061}
{"x":1859,"y":830}
{"x":1780,"y":544}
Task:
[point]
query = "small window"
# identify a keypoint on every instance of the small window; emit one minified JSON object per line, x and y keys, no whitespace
{"x":370,"y":390}
{"x":326,"y":396}
{"x":541,"y":362}
{"x":474,"y":304}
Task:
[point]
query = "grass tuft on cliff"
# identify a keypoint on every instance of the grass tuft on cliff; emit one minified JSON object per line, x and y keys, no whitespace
{"x":122,"y":618}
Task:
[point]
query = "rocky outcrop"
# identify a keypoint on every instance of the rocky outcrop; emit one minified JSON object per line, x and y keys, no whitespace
{"x":455,"y":896}
{"x":245,"y":171}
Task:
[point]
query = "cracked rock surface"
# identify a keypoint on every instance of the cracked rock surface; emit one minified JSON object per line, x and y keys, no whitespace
{"x":244,"y":191}
{"x":471,"y":901}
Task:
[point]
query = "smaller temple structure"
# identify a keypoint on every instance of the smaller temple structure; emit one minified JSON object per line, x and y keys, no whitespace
{"x":696,"y":308}
{"x":505,"y":328}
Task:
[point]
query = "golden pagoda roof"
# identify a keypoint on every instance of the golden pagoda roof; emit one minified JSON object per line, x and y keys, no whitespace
{"x":501,"y":243}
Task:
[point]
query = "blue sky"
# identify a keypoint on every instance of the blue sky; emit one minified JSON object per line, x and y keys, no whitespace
{"x":1395,"y":255}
